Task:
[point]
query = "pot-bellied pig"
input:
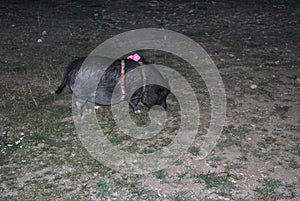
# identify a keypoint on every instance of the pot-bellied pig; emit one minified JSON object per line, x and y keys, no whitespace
{"x":121,"y":80}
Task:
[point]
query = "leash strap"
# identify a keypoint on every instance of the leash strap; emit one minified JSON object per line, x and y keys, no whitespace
{"x":144,"y":75}
{"x":123,"y":79}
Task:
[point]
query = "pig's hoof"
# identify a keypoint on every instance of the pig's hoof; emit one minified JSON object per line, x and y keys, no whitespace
{"x":89,"y":110}
{"x":137,"y":111}
{"x":80,"y":117}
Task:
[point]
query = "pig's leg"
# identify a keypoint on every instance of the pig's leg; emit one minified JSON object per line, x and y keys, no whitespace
{"x":133,"y":104}
{"x":80,"y":105}
{"x":88,"y":107}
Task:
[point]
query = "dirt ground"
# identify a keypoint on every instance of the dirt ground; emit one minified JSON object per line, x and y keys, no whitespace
{"x":255,"y":46}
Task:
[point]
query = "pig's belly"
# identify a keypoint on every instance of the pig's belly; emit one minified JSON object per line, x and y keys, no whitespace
{"x":105,"y":96}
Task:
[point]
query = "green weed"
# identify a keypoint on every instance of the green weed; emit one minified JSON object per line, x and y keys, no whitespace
{"x":267,"y":191}
{"x":222,"y":182}
{"x":293,"y":164}
{"x":102,"y":188}
{"x":194,"y":151}
{"x":161,"y":174}
{"x":215,"y":160}
{"x":282,"y":110}
{"x":182,"y":196}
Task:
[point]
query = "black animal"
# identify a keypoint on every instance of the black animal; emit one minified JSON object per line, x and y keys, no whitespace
{"x":139,"y":84}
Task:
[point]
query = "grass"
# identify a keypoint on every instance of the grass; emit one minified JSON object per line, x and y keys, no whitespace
{"x":278,"y":1}
{"x":215,"y":160}
{"x":39,"y":136}
{"x":194,"y":151}
{"x":267,"y":190}
{"x":30,"y":127}
{"x":43,"y":124}
{"x":182,"y":196}
{"x":129,"y":144}
{"x":161,"y":174}
{"x":233,"y":136}
{"x":124,"y":188}
{"x":241,"y":132}
{"x":296,"y":149}
{"x":292,"y":163}
{"x":234,"y":166}
{"x":103,"y":188}
{"x":220,"y":183}
{"x":282,"y":110}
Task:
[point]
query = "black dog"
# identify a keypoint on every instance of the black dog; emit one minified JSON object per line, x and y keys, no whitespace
{"x":112,"y":85}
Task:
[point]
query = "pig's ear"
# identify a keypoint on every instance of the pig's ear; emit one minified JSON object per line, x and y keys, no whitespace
{"x":162,"y":91}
